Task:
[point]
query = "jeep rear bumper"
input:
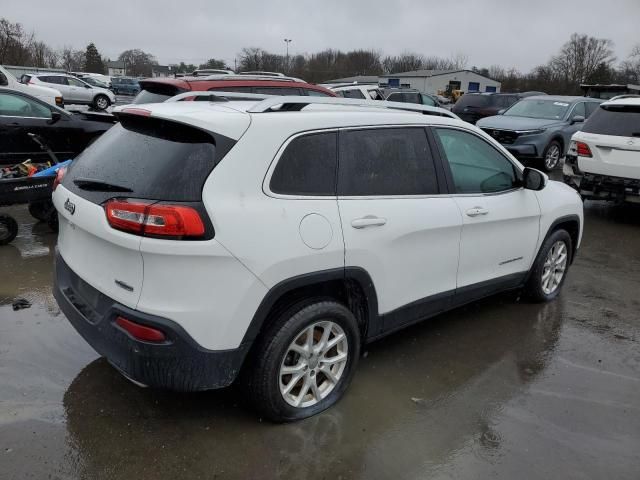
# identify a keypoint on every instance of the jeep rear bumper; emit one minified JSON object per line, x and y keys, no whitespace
{"x":600,"y":187}
{"x":178,"y":364}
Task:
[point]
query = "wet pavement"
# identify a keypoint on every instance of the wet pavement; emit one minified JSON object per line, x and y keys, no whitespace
{"x":499,"y":389}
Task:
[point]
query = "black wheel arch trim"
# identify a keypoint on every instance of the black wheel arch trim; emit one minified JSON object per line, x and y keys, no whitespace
{"x":356,"y":274}
{"x":552,"y":228}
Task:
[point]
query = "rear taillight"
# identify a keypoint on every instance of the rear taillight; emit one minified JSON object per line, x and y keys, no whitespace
{"x":141,"y":332}
{"x":59,"y":101}
{"x":59,"y":176}
{"x":583,"y":149}
{"x":154,"y":219}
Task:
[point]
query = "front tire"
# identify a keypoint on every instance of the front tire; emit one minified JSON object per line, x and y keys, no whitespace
{"x":550,"y":268}
{"x":304,"y":362}
{"x":101,"y":102}
{"x":551,"y":156}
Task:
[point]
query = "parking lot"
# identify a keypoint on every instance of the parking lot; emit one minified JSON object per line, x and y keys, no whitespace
{"x":500,"y":389}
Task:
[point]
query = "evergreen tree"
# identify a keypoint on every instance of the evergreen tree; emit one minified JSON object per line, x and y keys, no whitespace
{"x":93,"y":61}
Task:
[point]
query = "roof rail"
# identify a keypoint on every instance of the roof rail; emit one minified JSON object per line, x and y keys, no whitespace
{"x":626,"y":95}
{"x":263,"y":73}
{"x":218,"y":96}
{"x":251,"y":77}
{"x":298,"y":103}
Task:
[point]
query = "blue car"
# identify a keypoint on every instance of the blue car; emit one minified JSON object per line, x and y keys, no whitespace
{"x":125,"y":86}
{"x":539,"y":128}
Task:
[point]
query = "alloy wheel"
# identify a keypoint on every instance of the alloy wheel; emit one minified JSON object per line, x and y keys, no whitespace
{"x":102,"y":103}
{"x":313,"y":364}
{"x":555,"y":266}
{"x":552,"y":157}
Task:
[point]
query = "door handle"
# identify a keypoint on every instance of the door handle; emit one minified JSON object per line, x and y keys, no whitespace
{"x":368,"y":221}
{"x":476,"y":212}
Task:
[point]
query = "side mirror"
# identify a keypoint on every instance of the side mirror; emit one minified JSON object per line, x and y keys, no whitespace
{"x":55,"y":117}
{"x":3,"y":80}
{"x":533,"y":179}
{"x":501,"y":111}
{"x":577,"y":119}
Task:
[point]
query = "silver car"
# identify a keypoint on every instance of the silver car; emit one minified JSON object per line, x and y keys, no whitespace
{"x":539,"y":128}
{"x":75,"y":90}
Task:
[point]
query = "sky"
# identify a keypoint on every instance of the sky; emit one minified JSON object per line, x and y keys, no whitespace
{"x":511,"y":33}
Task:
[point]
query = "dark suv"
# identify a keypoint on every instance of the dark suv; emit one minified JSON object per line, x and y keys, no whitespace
{"x":160,"y":89}
{"x":471,"y":107}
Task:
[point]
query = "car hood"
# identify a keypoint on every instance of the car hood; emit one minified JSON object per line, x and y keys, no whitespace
{"x":508,"y":122}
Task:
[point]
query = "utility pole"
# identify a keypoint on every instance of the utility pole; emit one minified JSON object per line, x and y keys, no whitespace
{"x":287,"y":41}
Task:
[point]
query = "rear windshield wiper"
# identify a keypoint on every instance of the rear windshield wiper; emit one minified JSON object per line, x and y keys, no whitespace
{"x":99,"y":186}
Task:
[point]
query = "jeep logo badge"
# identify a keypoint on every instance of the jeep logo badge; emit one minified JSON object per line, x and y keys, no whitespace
{"x":69,"y":207}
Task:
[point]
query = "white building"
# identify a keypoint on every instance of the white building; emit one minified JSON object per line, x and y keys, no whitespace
{"x":116,"y":68}
{"x":434,"y":81}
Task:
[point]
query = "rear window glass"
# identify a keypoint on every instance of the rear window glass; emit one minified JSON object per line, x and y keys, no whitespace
{"x":146,"y":158}
{"x":473,"y":101}
{"x":307,"y":166}
{"x":156,"y":93}
{"x":387,"y":161}
{"x":618,"y":120}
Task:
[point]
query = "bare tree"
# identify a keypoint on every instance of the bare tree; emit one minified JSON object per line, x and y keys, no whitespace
{"x":405,"y":62}
{"x":630,"y":68}
{"x":580,"y":57}
{"x":137,"y":62}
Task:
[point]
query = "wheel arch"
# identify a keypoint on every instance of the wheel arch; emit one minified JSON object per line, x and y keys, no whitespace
{"x":570,"y":223}
{"x":560,"y":139}
{"x":352,"y":286}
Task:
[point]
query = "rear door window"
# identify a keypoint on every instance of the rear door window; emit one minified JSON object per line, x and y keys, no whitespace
{"x":288,"y":91}
{"x":386,"y":161}
{"x":352,"y":93}
{"x":307,"y":166}
{"x":617,"y":120}
{"x":147,"y":158}
{"x":315,"y":93}
{"x":232,"y":89}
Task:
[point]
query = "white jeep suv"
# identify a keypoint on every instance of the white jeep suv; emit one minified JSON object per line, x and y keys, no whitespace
{"x":603,"y":160}
{"x":267,"y":241}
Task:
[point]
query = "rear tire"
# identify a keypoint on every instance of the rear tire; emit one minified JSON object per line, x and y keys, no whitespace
{"x":550,"y":268}
{"x":8,"y":229}
{"x":41,"y":210}
{"x":321,"y":370}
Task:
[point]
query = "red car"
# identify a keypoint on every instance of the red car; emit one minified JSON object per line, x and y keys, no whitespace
{"x":156,"y":90}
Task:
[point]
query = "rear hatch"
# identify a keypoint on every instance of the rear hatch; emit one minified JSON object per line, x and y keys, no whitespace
{"x":157,"y":91}
{"x":613,"y":136}
{"x":143,"y":161}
